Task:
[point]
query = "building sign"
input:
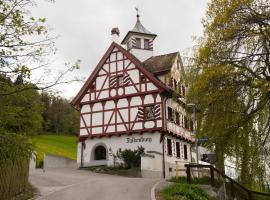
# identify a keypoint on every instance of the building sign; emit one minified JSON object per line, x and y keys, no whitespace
{"x":141,"y":139}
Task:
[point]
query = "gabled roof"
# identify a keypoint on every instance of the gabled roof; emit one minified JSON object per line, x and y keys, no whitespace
{"x":161,"y":63}
{"x":133,"y":59}
{"x":138,"y":29}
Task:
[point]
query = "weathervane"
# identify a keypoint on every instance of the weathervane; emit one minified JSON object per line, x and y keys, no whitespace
{"x":137,"y":9}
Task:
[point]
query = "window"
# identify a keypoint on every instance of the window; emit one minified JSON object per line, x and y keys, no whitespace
{"x":143,"y":79}
{"x":100,"y":153}
{"x":183,"y":91}
{"x":149,"y":112}
{"x":138,"y":43}
{"x":185,"y":152}
{"x":177,"y":150}
{"x":185,"y":122}
{"x":174,"y":84}
{"x":169,"y":147}
{"x":170,"y":114}
{"x":120,"y":80}
{"x":146,"y":44}
{"x":179,"y":87}
{"x":191,"y":125}
{"x":171,"y":82}
{"x":177,"y":118}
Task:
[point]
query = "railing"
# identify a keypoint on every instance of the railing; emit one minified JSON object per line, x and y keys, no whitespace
{"x":178,"y":130}
{"x":236,"y":190}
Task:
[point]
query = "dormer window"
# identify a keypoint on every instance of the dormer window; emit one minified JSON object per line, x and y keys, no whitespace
{"x":138,"y":43}
{"x":146,"y":44}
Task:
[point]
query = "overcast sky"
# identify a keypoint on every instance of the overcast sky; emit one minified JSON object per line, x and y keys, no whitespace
{"x":84,"y":27}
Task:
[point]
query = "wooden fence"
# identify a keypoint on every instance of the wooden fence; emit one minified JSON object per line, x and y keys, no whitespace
{"x":235,"y":189}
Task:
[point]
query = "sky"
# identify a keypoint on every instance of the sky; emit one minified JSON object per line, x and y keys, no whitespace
{"x":84,"y":28}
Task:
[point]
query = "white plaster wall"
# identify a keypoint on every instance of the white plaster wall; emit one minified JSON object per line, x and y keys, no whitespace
{"x":141,"y":54}
{"x":114,"y":143}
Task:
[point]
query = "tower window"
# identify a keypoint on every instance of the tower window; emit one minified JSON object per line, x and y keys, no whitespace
{"x":138,"y":43}
{"x":146,"y":44}
{"x":169,"y":147}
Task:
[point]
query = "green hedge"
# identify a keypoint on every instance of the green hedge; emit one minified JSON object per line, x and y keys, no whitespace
{"x":15,"y":153}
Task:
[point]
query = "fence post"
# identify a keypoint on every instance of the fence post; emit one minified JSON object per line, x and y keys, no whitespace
{"x":249,"y":195}
{"x":212,"y":175}
{"x":232,"y":190}
{"x":188,"y":174}
{"x":176,"y":169}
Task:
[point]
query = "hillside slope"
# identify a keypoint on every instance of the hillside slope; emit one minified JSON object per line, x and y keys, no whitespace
{"x":60,"y":145}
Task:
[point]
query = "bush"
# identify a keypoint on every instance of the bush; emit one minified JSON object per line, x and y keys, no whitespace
{"x":131,"y":158}
{"x":15,"y":153}
{"x":183,"y":179}
{"x":183,"y":191}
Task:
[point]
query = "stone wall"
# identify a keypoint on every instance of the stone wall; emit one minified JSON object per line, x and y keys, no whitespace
{"x":54,"y":162}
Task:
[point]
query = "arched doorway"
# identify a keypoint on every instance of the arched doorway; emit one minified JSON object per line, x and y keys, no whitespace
{"x":100,"y":153}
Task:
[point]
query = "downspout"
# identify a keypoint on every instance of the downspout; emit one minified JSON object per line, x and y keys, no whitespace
{"x":165,"y":128}
{"x":82,"y":148}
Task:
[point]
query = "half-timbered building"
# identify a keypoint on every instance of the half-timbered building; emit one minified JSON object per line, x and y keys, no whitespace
{"x":134,"y":98}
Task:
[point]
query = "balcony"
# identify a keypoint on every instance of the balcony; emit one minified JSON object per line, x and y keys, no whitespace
{"x":180,"y":131}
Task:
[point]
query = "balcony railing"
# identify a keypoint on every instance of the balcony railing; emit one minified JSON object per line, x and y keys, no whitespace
{"x":180,"y":131}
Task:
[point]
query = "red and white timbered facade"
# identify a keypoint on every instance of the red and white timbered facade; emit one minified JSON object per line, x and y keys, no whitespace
{"x":121,"y":98}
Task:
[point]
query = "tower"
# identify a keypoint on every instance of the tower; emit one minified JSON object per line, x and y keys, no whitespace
{"x":139,"y":41}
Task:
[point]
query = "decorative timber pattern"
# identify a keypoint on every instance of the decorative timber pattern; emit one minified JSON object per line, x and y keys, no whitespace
{"x":114,"y":103}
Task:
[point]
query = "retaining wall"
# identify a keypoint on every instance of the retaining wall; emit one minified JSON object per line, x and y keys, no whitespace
{"x":54,"y":162}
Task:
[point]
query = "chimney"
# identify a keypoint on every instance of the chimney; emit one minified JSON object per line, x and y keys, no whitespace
{"x":115,"y":34}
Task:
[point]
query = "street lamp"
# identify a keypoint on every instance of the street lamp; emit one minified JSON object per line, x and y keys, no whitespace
{"x":192,"y":105}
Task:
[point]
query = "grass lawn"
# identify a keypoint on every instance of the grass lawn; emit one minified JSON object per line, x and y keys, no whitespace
{"x":60,"y":145}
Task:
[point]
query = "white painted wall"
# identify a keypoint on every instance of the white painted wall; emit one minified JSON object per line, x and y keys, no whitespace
{"x":112,"y":144}
{"x":141,"y":54}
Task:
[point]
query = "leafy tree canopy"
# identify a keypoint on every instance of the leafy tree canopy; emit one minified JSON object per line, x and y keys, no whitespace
{"x":230,"y":81}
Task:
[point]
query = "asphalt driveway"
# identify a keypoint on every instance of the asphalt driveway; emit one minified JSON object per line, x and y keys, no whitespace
{"x":70,"y":184}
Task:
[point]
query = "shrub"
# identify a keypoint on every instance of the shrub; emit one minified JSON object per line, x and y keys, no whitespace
{"x":15,"y":153}
{"x":131,"y":158}
{"x":183,"y":191}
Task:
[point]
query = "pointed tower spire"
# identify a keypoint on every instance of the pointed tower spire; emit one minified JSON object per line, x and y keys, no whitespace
{"x":139,"y":40}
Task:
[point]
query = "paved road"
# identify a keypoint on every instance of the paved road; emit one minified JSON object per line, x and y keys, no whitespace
{"x":71,"y":184}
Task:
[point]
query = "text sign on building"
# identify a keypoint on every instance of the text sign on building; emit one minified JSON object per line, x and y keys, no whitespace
{"x":141,"y":139}
{"x":203,"y":139}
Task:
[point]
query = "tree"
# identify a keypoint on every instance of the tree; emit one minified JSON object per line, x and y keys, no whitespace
{"x":58,"y":115}
{"x":230,"y":80}
{"x":20,"y":112}
{"x":24,"y":46}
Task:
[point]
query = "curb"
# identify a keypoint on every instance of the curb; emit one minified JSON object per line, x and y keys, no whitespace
{"x":153,"y":195}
